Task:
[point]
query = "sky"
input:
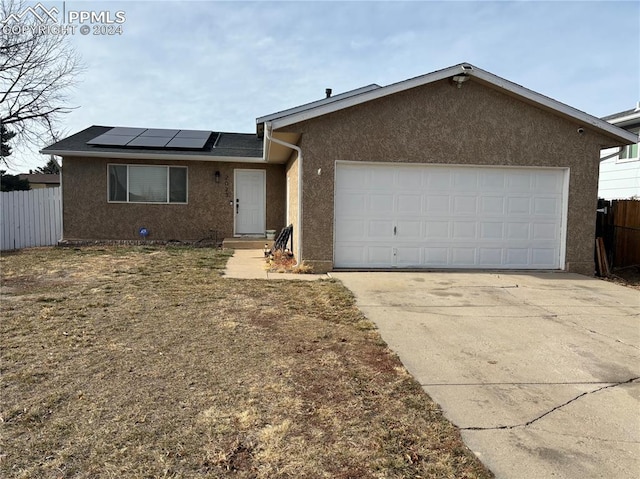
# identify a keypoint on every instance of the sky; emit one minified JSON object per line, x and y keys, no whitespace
{"x":219,"y":65}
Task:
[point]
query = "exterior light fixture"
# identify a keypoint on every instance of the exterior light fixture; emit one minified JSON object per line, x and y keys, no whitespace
{"x":460,"y":79}
{"x":216,"y":175}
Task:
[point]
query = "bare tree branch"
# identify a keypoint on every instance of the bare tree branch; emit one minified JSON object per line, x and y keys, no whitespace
{"x":37,"y":70}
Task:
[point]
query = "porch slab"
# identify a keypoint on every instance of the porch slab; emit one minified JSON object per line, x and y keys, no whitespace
{"x":250,"y":264}
{"x":246,"y":243}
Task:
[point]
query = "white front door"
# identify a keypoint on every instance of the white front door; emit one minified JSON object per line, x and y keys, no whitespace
{"x":250,"y":202}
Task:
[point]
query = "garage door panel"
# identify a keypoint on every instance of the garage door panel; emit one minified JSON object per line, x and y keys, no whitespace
{"x":408,"y":230}
{"x":491,"y":179}
{"x":518,"y":231}
{"x":438,"y":179}
{"x":465,"y":205}
{"x":545,"y":231}
{"x":465,"y":180}
{"x":542,"y":256}
{"x":381,"y":178}
{"x":518,"y":257}
{"x":408,"y":180}
{"x":379,"y":256}
{"x":436,"y":256}
{"x":547,"y":182}
{"x":351,"y":229}
{"x":380,"y":230}
{"x":409,"y":205}
{"x":351,"y":177}
{"x":492,"y":205}
{"x":491,"y":231}
{"x":463,"y":257}
{"x":437,"y":205}
{"x":519,"y":182}
{"x":518,"y":205}
{"x":409,"y":257}
{"x":381,"y":205}
{"x":354,"y":204}
{"x":464,"y":230}
{"x":448,"y":217}
{"x":491,"y":257}
{"x":546,"y":206}
{"x":350,"y":255}
{"x":437,"y":230}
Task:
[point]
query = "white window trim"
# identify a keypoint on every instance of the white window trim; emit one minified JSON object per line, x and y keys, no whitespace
{"x":150,"y":202}
{"x":627,"y":160}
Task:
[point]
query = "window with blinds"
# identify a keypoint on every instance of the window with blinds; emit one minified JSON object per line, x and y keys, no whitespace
{"x":147,"y":184}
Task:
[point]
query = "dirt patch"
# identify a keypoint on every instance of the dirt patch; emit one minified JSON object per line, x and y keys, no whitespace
{"x":144,"y":362}
{"x":629,"y":276}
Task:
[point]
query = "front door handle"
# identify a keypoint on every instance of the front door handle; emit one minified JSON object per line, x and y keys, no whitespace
{"x":237,"y":205}
{"x":394,"y":231}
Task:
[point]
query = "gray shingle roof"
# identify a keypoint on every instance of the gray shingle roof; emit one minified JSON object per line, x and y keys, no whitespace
{"x":229,"y":145}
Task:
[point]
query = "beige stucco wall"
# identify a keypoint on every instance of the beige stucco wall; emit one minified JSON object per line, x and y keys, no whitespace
{"x":88,"y":215}
{"x":439,"y":123}
{"x":292,"y":218}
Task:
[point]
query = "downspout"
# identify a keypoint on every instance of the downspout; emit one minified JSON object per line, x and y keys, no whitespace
{"x":267,"y":133}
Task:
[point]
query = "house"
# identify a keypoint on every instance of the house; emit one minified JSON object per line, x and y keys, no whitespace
{"x":620,"y":166}
{"x":458,"y":168}
{"x":41,"y":180}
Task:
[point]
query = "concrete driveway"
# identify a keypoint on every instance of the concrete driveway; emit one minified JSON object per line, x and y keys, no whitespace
{"x":541,"y":372}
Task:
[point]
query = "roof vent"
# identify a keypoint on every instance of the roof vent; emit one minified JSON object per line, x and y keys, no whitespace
{"x":328,"y":91}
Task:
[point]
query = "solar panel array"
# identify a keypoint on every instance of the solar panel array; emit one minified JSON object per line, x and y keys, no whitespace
{"x":153,"y":138}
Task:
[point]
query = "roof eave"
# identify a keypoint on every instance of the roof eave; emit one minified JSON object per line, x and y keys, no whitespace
{"x":150,"y":156}
{"x":618,"y":134}
{"x":613,"y":131}
{"x":368,"y":96}
{"x":625,"y":121}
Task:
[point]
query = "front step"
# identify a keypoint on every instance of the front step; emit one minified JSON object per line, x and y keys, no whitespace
{"x":246,"y":243}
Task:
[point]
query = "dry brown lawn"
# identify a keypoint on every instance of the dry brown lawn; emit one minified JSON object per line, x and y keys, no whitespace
{"x":141,"y":362}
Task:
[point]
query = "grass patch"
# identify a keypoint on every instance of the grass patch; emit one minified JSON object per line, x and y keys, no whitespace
{"x":145,"y":362}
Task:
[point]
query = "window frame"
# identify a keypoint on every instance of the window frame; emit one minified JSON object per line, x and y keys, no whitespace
{"x":626,"y":149}
{"x":168,"y":200}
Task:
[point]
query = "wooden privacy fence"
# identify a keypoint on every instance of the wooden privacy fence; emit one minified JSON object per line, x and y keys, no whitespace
{"x":619,"y":227}
{"x":30,"y":218}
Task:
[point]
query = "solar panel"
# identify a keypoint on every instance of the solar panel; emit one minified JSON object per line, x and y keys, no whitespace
{"x":153,"y":138}
{"x":190,"y":143}
{"x":160,"y":132}
{"x":194,"y":134}
{"x":149,"y":141}
{"x":125,"y":131}
{"x":111,"y":140}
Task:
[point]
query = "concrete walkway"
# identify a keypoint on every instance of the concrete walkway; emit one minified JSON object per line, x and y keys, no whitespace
{"x":250,"y":264}
{"x":541,"y":372}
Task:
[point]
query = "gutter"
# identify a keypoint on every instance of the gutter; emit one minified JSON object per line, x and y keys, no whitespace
{"x":151,"y":156}
{"x":267,"y":134}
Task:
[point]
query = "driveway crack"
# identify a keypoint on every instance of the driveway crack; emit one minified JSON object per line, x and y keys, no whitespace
{"x":528,"y":423}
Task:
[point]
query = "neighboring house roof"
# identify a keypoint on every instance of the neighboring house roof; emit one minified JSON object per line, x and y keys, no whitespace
{"x":625,"y":119}
{"x":458,"y":73}
{"x":227,"y":147}
{"x":314,"y":104}
{"x":41,"y":178}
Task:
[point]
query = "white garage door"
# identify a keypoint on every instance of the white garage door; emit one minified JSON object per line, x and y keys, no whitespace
{"x":428,"y":216}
